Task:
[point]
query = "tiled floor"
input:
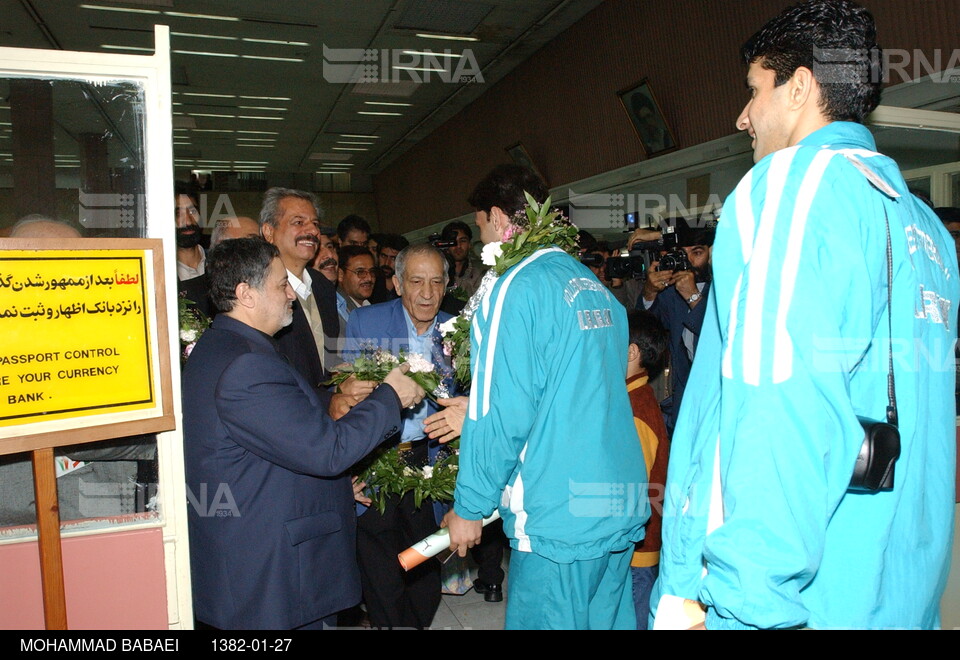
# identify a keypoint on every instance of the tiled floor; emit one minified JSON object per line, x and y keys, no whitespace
{"x":470,"y":611}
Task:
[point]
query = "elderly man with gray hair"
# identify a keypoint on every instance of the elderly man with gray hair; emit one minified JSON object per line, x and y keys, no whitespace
{"x":411,"y":323}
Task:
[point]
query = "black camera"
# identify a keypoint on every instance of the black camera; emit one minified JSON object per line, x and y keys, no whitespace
{"x":591,"y":259}
{"x":642,"y":254}
{"x":436,"y":240}
{"x":676,"y":259}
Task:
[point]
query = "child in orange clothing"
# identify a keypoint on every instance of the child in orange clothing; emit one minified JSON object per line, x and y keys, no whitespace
{"x":647,"y":354}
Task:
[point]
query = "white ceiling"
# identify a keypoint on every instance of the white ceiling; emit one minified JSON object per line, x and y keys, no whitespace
{"x":276,"y":93}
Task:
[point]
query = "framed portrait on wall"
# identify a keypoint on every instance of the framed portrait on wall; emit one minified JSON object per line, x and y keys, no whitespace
{"x":647,"y":119}
{"x":518,"y":154}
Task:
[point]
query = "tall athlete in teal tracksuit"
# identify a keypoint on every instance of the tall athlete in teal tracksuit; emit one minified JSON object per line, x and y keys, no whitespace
{"x":795,"y":350}
{"x":796,"y":353}
{"x":549,"y":439}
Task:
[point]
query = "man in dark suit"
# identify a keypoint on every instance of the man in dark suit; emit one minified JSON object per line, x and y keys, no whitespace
{"x":290,"y":219}
{"x":676,"y":298}
{"x":395,"y":598}
{"x":272,"y":528}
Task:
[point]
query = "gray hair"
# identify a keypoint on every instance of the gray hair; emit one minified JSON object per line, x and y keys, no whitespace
{"x":417,"y":250}
{"x":271,"y":204}
{"x":216,"y":236}
{"x":219,"y":229}
{"x":21,"y":226}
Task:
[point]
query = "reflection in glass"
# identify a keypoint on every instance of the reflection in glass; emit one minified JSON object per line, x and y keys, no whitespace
{"x":73,"y":150}
{"x":920,"y":186}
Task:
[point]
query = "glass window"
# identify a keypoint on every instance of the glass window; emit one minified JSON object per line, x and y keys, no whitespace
{"x":73,"y":151}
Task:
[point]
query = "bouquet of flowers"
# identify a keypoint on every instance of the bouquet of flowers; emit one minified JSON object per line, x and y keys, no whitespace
{"x":193,"y":323}
{"x":387,"y":473}
{"x":534,"y":228}
{"x":375,"y":363}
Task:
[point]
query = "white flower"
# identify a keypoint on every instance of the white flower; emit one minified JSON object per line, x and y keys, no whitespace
{"x":188,"y":335}
{"x":427,"y":472}
{"x":419,"y":364}
{"x":385,"y":357}
{"x":408,"y":471}
{"x":490,"y":253}
{"x":449,"y":326}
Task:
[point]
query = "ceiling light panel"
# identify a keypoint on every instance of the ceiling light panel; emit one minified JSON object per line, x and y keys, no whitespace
{"x":125,"y":10}
{"x":190,"y":35}
{"x":207,"y":17}
{"x":275,"y":41}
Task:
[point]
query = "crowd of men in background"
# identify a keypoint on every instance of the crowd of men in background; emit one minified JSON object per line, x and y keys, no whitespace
{"x":337,"y":275}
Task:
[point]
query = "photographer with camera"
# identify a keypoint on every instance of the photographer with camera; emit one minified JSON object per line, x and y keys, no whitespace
{"x":674,"y":291}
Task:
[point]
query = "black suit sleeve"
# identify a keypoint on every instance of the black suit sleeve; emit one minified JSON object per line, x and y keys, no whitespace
{"x":267,"y":412}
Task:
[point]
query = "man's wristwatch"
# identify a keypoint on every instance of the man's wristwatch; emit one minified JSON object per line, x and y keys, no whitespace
{"x":694,"y":298}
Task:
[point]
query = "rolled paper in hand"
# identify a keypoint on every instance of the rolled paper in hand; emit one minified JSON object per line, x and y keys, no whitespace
{"x":432,"y":546}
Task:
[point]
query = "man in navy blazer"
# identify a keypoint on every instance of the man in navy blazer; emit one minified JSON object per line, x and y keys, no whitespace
{"x":272,"y":522}
{"x":394,"y":598}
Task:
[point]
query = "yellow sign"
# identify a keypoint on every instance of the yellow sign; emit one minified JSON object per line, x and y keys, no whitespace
{"x":76,"y":334}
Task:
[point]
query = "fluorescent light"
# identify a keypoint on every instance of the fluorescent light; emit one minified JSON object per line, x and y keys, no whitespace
{"x":275,"y":41}
{"x":272,"y":59}
{"x":203,"y":36}
{"x":266,"y":98}
{"x":252,"y":162}
{"x":121,"y":9}
{"x":210,"y":17}
{"x":349,"y":149}
{"x":381,"y":114}
{"x":430,"y":53}
{"x":215,"y":96}
{"x":322,"y":172}
{"x":354,"y":142}
{"x":257,"y":139}
{"x":211,"y":130}
{"x":402,"y":105}
{"x":259,"y":132}
{"x":260,"y":107}
{"x":257,"y":146}
{"x":402,"y":67}
{"x":200,"y":52}
{"x":259,"y":117}
{"x":207,"y":114}
{"x":357,"y":135}
{"x":134,"y":48}
{"x":447,"y":37}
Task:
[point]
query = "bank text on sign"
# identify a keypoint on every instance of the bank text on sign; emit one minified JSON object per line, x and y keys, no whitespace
{"x":76,"y":334}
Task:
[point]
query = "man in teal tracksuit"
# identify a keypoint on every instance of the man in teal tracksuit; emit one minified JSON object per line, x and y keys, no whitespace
{"x":797,"y":348}
{"x":549,"y":436}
